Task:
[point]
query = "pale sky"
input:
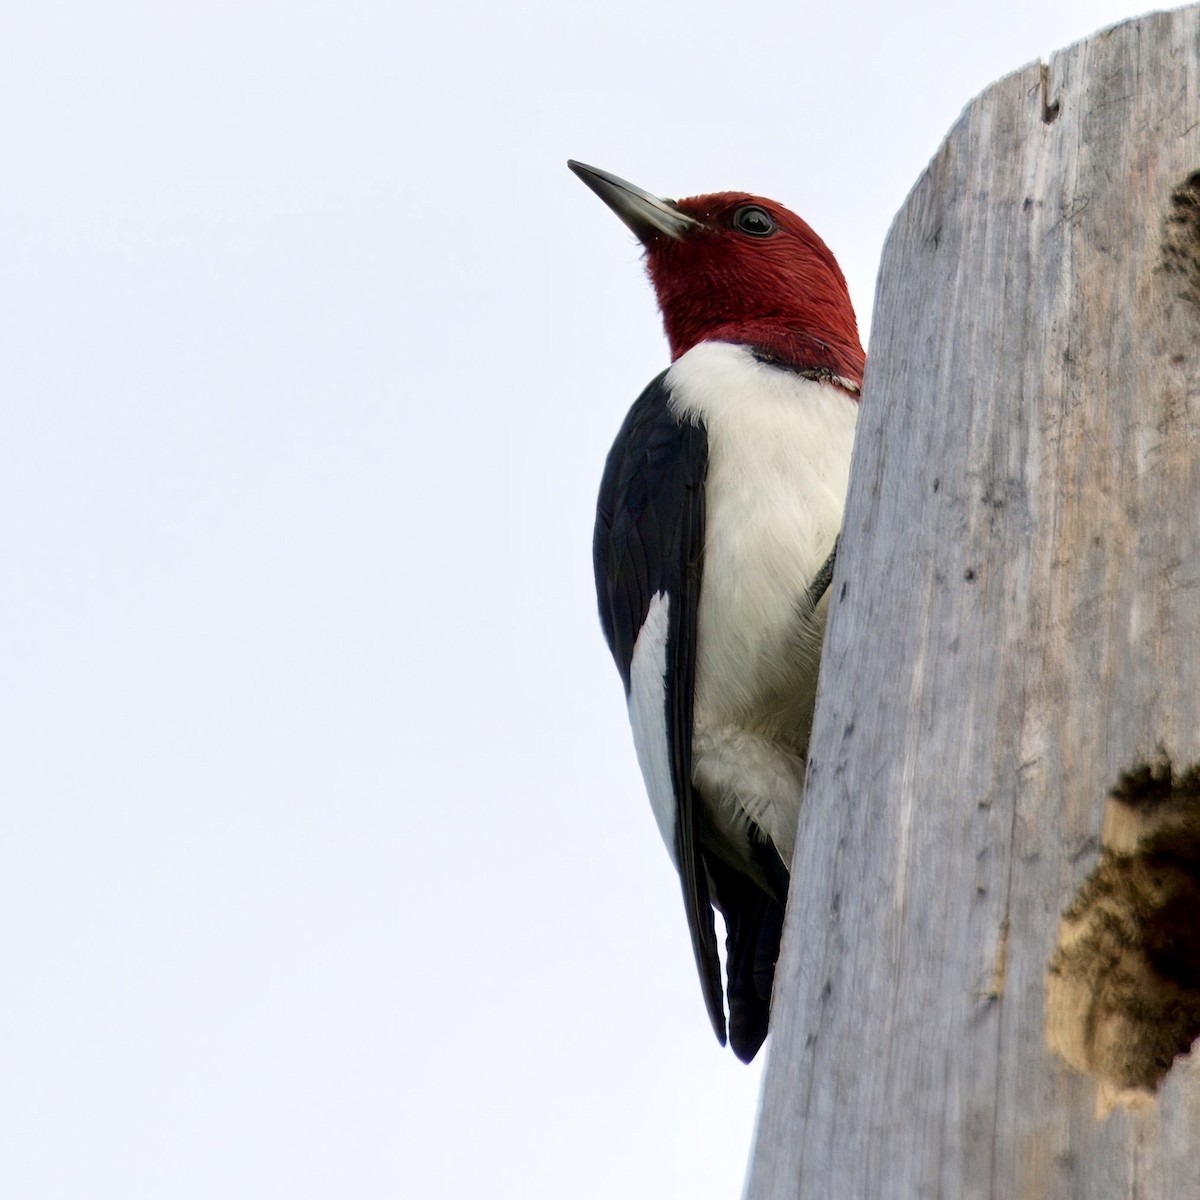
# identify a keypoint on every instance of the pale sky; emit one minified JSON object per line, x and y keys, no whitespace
{"x":325,"y":865}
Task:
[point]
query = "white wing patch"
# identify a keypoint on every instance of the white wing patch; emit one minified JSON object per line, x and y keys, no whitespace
{"x":648,"y":716}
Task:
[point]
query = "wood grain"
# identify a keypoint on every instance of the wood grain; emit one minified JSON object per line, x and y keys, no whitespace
{"x":1015,"y":623}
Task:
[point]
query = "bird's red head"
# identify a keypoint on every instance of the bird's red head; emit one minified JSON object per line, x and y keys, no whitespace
{"x":754,"y":273}
{"x":737,"y":268}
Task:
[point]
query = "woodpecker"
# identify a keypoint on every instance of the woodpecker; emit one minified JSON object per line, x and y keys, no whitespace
{"x":719,"y":511}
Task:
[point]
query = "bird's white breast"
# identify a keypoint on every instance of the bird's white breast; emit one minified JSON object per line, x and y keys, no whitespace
{"x":779,"y":449}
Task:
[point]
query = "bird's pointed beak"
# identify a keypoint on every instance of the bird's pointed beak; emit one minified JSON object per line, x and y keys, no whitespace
{"x":648,"y":216}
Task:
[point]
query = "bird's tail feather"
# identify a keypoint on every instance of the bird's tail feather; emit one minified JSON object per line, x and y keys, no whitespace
{"x":753,"y":924}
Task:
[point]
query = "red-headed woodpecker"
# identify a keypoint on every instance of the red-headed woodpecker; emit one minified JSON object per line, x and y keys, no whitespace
{"x":719,"y":511}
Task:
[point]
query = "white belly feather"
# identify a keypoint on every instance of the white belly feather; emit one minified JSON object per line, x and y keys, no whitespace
{"x":778,"y":465}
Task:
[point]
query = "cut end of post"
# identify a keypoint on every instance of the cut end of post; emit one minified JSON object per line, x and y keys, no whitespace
{"x":1123,"y":984}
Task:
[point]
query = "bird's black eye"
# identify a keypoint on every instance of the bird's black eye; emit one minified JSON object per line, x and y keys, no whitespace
{"x":755,"y":221}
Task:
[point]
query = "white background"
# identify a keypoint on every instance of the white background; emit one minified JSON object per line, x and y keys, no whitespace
{"x":325,"y":866}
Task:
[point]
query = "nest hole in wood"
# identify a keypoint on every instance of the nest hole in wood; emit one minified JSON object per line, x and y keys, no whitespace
{"x":1123,"y":983}
{"x":1181,"y":238}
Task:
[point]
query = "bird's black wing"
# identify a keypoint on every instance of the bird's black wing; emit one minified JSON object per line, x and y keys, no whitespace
{"x":648,"y":544}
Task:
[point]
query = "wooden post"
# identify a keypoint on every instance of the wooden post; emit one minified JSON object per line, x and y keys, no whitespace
{"x":1010,"y":693}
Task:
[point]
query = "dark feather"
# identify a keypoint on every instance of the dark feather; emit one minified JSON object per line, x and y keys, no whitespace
{"x":649,"y":538}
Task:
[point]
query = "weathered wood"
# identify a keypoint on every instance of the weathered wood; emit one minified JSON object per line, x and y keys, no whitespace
{"x":1015,"y":624}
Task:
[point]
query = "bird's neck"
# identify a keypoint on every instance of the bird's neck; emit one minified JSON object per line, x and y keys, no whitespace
{"x":821,"y":353}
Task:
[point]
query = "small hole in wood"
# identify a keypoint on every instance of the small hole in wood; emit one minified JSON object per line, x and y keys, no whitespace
{"x":1050,"y":108}
{"x":1123,"y":983}
{"x":1181,"y":238}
